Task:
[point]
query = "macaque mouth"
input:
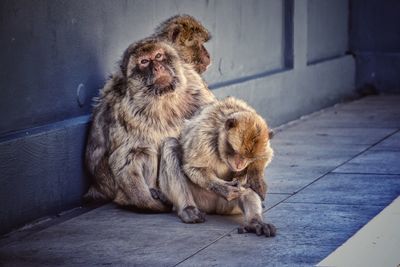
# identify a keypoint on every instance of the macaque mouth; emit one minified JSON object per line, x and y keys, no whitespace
{"x":236,"y":168}
{"x":164,"y":80}
{"x":163,"y":85}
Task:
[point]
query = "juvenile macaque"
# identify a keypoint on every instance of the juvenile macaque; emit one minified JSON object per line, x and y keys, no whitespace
{"x":224,"y":151}
{"x":188,"y":37}
{"x":147,"y":101}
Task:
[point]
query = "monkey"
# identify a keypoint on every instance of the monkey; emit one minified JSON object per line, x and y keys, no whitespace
{"x":188,"y":37}
{"x":223,"y":152}
{"x":146,"y":101}
{"x":244,"y":132}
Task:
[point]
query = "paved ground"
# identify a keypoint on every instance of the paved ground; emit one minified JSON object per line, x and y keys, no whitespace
{"x":376,"y":244}
{"x":333,"y":172}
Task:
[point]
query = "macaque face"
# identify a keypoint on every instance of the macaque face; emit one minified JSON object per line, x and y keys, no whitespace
{"x":245,"y":143}
{"x":203,"y":61}
{"x":153,"y":65}
{"x":199,"y":56}
{"x":195,"y":53}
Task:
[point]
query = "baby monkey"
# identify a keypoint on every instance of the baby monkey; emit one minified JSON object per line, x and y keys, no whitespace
{"x":225,"y":150}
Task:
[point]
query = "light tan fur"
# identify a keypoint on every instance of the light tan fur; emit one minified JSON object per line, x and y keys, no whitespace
{"x":223,"y":152}
{"x":131,"y":121}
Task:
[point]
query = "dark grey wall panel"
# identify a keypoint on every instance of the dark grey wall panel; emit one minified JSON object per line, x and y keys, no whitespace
{"x":48,"y":48}
{"x":327,"y":29}
{"x":375,"y":41}
{"x":375,"y":26}
{"x":380,"y":70}
{"x":41,"y":174}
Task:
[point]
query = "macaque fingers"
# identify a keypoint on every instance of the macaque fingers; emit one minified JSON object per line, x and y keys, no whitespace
{"x":259,"y":228}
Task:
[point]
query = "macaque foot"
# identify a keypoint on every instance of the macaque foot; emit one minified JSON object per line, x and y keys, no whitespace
{"x":157,"y":194}
{"x":259,"y":228}
{"x":191,"y":214}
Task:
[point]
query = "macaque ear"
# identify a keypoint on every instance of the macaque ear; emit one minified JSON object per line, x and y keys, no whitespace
{"x":271,"y":134}
{"x":230,"y":123}
{"x":174,"y":33}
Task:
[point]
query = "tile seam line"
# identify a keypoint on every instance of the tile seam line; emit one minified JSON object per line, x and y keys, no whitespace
{"x":336,"y":204}
{"x":369,"y":173}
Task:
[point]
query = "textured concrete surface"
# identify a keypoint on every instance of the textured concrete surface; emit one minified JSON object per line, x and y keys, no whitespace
{"x":326,"y":182}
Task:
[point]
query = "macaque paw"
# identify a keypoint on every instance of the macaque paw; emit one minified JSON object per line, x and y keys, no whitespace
{"x":191,"y":214}
{"x":232,"y":193}
{"x":259,"y":228}
{"x":234,"y":183}
{"x":157,"y":194}
{"x":233,"y":190}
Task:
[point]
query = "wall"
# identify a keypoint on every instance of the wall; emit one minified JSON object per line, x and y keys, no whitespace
{"x":375,"y":42}
{"x":286,"y":58}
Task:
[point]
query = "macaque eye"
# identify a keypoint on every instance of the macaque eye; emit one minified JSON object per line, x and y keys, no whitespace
{"x":158,"y":56}
{"x":144,"y":61}
{"x":229,"y":149}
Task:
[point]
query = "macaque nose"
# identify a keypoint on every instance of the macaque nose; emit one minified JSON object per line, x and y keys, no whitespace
{"x":239,"y":163}
{"x":158,"y":67}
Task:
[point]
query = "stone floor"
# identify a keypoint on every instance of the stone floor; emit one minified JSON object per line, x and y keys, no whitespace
{"x":333,"y":171}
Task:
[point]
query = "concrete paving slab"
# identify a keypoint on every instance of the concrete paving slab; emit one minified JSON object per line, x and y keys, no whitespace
{"x":364,"y":113}
{"x":332,"y":136}
{"x":354,"y":121}
{"x":323,"y":224}
{"x":306,"y":234}
{"x":295,"y":166}
{"x":372,"y":103}
{"x":308,"y":150}
{"x":291,"y":179}
{"x":392,"y":143}
{"x":351,"y":189}
{"x":236,"y":251}
{"x":386,"y":100}
{"x":308,"y":155}
{"x":381,"y":162}
{"x":112,"y":236}
{"x":273,"y":199}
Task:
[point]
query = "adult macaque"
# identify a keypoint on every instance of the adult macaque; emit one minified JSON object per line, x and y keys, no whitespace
{"x":223,"y":151}
{"x":137,"y":109}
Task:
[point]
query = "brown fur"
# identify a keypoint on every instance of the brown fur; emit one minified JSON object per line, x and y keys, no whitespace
{"x":223,"y":135}
{"x":223,"y":151}
{"x":131,"y":119}
{"x":188,"y":36}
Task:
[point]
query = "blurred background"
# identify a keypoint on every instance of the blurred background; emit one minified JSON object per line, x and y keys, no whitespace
{"x":286,"y":58}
